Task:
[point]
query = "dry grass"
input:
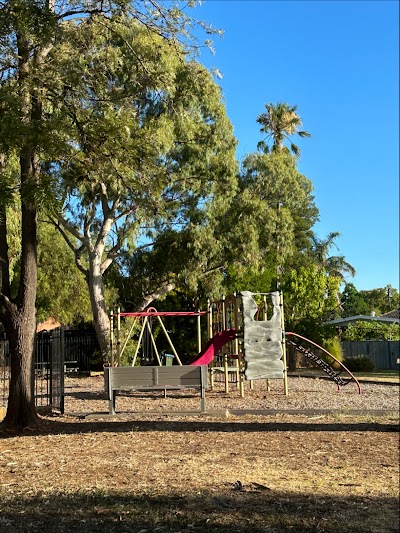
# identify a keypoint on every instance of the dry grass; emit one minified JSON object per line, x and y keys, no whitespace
{"x":159,"y":473}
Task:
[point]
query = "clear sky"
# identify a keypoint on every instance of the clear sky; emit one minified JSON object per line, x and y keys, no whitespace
{"x":338,"y":61}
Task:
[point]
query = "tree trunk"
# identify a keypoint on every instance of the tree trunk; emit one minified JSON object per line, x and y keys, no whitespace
{"x":19,"y":319}
{"x":21,"y":410}
{"x":101,"y":320}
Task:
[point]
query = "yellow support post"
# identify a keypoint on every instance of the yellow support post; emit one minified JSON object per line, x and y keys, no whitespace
{"x":154,"y":343}
{"x":119,"y":336}
{"x":112,"y":338}
{"x":226,"y":373}
{"x":139,"y":341}
{"x":285,"y":376}
{"x":198,"y":333}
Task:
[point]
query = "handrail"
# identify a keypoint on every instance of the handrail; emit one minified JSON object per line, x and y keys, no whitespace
{"x":330,"y":355}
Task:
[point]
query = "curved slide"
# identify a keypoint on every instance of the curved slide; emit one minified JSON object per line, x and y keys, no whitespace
{"x":213,"y":346}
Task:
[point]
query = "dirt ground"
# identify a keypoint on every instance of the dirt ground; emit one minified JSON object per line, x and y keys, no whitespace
{"x":150,"y":471}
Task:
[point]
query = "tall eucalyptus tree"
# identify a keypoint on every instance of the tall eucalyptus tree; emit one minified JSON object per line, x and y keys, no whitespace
{"x":36,"y":134}
{"x":152,"y":153}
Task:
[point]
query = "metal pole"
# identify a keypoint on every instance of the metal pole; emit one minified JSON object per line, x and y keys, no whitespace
{"x":128,"y":336}
{"x":119,"y":336}
{"x":198,"y":333}
{"x":285,"y":376}
{"x":112,"y":339}
{"x":62,"y":370}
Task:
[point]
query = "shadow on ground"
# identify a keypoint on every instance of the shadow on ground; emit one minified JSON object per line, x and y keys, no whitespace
{"x":54,"y":427}
{"x":241,"y":509}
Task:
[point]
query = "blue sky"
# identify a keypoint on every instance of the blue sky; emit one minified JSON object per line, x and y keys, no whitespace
{"x":338,"y":61}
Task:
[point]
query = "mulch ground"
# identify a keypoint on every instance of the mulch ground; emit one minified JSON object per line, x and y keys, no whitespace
{"x":158,"y":472}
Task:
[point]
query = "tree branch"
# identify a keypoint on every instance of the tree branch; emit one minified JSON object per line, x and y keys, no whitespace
{"x":155,"y":295}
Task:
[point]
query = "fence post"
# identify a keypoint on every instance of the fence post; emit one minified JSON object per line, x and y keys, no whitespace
{"x":62,"y":368}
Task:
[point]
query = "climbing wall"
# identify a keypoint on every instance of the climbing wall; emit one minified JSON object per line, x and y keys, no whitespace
{"x":262,"y":340}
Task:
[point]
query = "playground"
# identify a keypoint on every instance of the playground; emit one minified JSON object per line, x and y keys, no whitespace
{"x":275,"y":452}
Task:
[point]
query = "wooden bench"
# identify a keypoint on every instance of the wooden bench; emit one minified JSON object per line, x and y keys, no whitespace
{"x":156,"y":378}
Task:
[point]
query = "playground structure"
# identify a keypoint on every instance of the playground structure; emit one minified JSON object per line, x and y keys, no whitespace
{"x":246,"y":341}
{"x":258,"y":350}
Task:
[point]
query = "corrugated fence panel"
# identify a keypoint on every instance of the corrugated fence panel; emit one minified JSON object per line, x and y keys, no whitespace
{"x":384,"y":354}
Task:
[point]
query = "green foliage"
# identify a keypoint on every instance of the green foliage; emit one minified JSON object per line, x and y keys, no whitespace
{"x":251,"y":278}
{"x":334,"y":266}
{"x":154,"y":157}
{"x":353,"y":302}
{"x":309,"y":293}
{"x":62,"y":291}
{"x":360,"y":363}
{"x":276,"y":201}
{"x":279,"y":123}
{"x":310,"y":296}
{"x":381,"y":300}
{"x":334,"y":347}
{"x":368,"y":331}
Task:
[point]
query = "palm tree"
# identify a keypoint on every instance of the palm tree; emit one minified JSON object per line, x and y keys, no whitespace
{"x":279,"y":122}
{"x":334,"y":266}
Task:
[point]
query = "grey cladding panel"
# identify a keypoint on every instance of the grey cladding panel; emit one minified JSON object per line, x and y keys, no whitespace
{"x":262,"y":340}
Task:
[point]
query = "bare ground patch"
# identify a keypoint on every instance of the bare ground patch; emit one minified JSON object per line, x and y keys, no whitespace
{"x":160,"y":473}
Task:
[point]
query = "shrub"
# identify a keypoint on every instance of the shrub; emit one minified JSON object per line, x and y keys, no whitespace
{"x":334,"y":347}
{"x":360,"y":363}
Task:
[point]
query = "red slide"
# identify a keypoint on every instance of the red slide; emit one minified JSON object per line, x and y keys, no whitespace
{"x":213,"y":346}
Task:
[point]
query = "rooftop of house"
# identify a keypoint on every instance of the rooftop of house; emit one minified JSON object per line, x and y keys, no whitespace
{"x":48,"y":325}
{"x":385,"y":319}
{"x":392,"y":314}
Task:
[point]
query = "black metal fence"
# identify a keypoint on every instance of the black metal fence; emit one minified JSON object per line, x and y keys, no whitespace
{"x":4,"y":371}
{"x":57,"y":352}
{"x":49,"y":370}
{"x":81,"y":350}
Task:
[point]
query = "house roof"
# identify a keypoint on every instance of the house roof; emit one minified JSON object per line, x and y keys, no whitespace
{"x":48,"y":325}
{"x":362,"y":318}
{"x":392,"y":314}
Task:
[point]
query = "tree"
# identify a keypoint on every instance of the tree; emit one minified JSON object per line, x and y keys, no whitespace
{"x":58,"y":279}
{"x":279,"y":123}
{"x":33,"y":133}
{"x":275,"y":211}
{"x":353,"y":302}
{"x":232,"y":247}
{"x":152,"y":151}
{"x":310,"y":298}
{"x":381,"y":300}
{"x":370,"y":331}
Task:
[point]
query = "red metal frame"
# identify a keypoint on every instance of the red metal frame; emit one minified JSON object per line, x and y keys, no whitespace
{"x":163,"y":313}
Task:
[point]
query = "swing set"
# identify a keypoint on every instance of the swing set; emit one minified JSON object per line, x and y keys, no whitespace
{"x":146,"y":341}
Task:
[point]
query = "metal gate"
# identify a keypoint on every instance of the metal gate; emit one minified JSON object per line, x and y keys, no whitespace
{"x":49,"y":369}
{"x":57,"y":352}
{"x":57,"y":369}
